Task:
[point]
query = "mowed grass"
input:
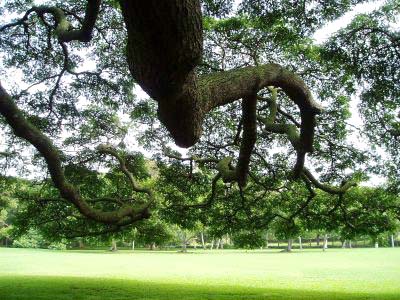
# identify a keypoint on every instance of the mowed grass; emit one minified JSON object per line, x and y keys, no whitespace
{"x":269,"y":274}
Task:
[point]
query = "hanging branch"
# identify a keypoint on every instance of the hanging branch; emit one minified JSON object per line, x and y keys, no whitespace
{"x":27,"y":131}
{"x":289,"y":130}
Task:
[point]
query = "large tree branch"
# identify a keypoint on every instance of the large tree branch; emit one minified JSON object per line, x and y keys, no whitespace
{"x":289,"y":130}
{"x":23,"y":129}
{"x":249,"y":120}
{"x":165,"y":46}
{"x":63,"y":26}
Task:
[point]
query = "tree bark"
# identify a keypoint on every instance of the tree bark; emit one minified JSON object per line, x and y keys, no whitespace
{"x":289,"y":245}
{"x":392,"y":240}
{"x":133,"y":245}
{"x":300,"y":243}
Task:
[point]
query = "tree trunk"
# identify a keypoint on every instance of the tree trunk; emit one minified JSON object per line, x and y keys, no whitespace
{"x":289,"y":245}
{"x":165,"y":44}
{"x":218,"y":244}
{"x":343,"y":244}
{"x":317,"y":239}
{"x":266,"y":241}
{"x":113,"y":245}
{"x":212,"y":244}
{"x":222,"y":243}
{"x":183,"y":241}
{"x":376,"y":245}
{"x":325,"y":245}
{"x":350,"y":244}
{"x":228,"y":240}
{"x":392,"y":240}
{"x":184,"y":246}
{"x":133,"y":245}
{"x":202,"y":240}
{"x":300,"y":243}
{"x":81,"y":245}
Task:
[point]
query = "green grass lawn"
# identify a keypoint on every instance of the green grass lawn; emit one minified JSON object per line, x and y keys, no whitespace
{"x":309,"y":274}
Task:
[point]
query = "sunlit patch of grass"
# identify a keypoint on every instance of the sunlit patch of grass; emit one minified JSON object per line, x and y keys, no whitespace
{"x":309,"y":274}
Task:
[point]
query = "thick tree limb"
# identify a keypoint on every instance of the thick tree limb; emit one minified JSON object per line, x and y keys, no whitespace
{"x":289,"y":130}
{"x":165,"y":46}
{"x":249,"y":120}
{"x":63,"y":26}
{"x":23,"y":129}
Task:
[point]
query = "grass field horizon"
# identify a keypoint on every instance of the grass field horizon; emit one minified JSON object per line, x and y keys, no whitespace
{"x":225,"y":274}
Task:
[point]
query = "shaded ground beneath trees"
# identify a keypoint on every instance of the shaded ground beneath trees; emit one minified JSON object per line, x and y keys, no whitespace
{"x":46,"y":287}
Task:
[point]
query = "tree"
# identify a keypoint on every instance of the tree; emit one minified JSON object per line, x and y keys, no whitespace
{"x":249,"y":239}
{"x":154,"y":233}
{"x":189,"y":62}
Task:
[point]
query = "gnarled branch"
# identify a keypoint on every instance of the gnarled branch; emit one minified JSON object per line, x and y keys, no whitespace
{"x":63,"y":27}
{"x":23,"y":129}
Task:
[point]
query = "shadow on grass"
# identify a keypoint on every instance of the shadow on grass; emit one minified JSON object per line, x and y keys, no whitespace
{"x":44,"y":288}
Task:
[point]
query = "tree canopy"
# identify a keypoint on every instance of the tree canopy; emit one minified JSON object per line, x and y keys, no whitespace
{"x":264,"y":109}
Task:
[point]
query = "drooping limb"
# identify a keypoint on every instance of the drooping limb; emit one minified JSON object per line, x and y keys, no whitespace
{"x":25,"y":130}
{"x":289,"y":130}
{"x":169,"y":76}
